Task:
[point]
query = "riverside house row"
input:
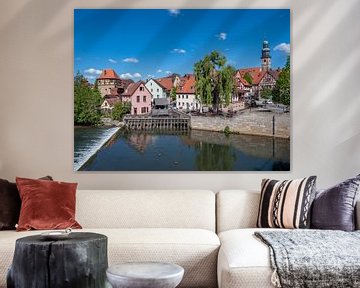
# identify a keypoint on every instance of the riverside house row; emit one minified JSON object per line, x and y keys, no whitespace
{"x":142,"y":95}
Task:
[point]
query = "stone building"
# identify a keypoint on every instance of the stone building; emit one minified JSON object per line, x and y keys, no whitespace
{"x":265,"y":57}
{"x":110,"y":80}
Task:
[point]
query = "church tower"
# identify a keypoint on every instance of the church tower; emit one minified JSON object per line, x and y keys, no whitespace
{"x":265,"y":57}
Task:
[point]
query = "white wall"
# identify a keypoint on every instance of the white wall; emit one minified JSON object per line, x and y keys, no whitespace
{"x":36,"y":110}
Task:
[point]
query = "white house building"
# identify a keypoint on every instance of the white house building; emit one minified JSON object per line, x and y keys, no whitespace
{"x":185,"y":94}
{"x":156,"y":89}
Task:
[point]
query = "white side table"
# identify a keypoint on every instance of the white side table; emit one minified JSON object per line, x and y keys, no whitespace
{"x":145,"y":275}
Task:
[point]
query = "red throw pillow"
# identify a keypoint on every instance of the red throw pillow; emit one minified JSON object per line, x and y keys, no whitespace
{"x":46,"y":204}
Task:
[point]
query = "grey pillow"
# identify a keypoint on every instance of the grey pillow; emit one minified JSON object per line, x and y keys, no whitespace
{"x":334,"y":208}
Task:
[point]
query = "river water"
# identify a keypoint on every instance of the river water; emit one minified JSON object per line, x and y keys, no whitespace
{"x":104,"y":149}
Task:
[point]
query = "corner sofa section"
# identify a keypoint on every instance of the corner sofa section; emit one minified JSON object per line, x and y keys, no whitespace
{"x":244,"y":260}
{"x":175,"y":226}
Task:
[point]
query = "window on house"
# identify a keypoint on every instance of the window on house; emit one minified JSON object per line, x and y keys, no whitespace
{"x":157,"y":90}
{"x":144,"y":98}
{"x":141,"y":88}
{"x":151,"y":90}
{"x":137,"y":98}
{"x":187,"y":96}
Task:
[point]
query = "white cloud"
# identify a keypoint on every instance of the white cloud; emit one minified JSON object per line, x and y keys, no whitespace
{"x":168,"y":72}
{"x":131,"y":60}
{"x":93,"y":71}
{"x":283,"y":47}
{"x":174,"y":12}
{"x":112,"y":60}
{"x":222,"y":36}
{"x":129,"y":75}
{"x":179,"y":51}
{"x":159,"y":71}
{"x":150,"y":76}
{"x":90,"y":77}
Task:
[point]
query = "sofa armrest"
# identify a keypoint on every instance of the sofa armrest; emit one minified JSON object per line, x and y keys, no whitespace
{"x":357,"y":215}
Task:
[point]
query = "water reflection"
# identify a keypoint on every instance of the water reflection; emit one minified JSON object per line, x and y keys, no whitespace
{"x":191,"y":151}
{"x":214,"y":157}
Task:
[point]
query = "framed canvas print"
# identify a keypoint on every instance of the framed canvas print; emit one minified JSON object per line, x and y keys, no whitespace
{"x":182,"y":90}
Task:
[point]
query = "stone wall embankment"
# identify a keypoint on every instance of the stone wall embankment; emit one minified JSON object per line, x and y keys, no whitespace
{"x":246,"y":122}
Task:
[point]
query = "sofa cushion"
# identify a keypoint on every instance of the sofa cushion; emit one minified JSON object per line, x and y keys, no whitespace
{"x":46,"y":204}
{"x":236,"y":209}
{"x":334,"y":208}
{"x":194,"y":249}
{"x":10,"y":204}
{"x":286,"y":204}
{"x":153,"y":209}
{"x":244,"y":261}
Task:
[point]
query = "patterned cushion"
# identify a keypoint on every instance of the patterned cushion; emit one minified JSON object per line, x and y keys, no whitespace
{"x":286,"y":204}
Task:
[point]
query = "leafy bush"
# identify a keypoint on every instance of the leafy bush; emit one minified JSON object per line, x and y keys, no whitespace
{"x":87,"y":102}
{"x":120,"y":109}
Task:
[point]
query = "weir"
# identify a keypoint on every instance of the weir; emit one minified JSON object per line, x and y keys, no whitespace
{"x":176,"y":121}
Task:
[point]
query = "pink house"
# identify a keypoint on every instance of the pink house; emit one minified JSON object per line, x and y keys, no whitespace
{"x":139,"y":96}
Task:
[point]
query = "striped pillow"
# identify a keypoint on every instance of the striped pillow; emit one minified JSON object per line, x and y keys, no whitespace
{"x":286,"y":204}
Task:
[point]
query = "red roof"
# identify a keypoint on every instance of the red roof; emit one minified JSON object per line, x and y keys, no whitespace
{"x":187,"y":84}
{"x":130,"y":90}
{"x":166,"y":82}
{"x":256,"y":74}
{"x":108,"y":96}
{"x":275,"y":73}
{"x":160,"y":84}
{"x":109,"y":74}
{"x":112,"y":101}
{"x":126,"y":82}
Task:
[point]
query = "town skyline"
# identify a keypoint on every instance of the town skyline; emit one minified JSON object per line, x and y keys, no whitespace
{"x":136,"y":55}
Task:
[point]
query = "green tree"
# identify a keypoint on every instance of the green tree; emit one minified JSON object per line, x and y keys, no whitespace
{"x":281,"y":91}
{"x":266,"y":93}
{"x":248,"y":78}
{"x":173,"y":94}
{"x":214,"y":81}
{"x":120,"y":109}
{"x":87,"y":102}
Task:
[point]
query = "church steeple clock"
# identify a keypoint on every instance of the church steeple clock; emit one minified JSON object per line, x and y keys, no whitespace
{"x":265,"y":57}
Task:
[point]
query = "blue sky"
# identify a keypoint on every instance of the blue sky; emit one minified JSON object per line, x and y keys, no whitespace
{"x":144,"y":43}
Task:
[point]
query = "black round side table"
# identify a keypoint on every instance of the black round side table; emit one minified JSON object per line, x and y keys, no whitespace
{"x":78,"y":261}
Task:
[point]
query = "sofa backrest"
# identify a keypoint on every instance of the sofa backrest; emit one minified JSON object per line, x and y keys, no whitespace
{"x":146,"y":209}
{"x":236,"y":209}
{"x":239,"y":209}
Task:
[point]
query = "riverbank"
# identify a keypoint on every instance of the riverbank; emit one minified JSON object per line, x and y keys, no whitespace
{"x":248,"y":123}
